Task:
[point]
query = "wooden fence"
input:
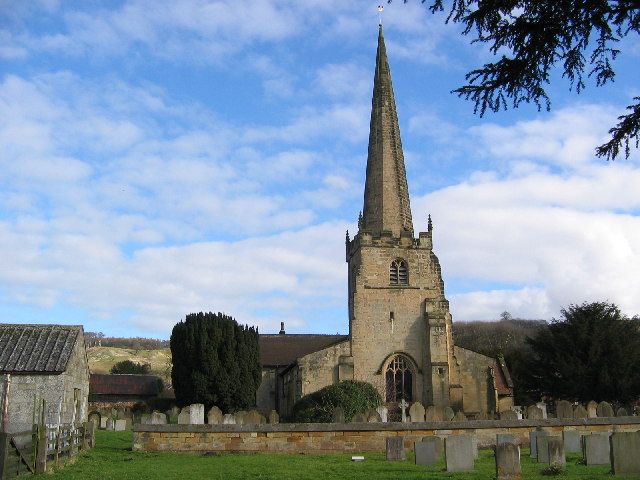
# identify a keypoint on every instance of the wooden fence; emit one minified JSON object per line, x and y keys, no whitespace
{"x":37,"y":450}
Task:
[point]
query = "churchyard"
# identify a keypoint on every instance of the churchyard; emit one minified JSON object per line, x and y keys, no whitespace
{"x":113,"y":459}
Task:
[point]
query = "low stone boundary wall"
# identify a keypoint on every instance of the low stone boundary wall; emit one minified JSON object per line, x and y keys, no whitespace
{"x":350,"y":437}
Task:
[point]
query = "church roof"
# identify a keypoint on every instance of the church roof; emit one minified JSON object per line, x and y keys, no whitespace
{"x":386,"y":194}
{"x":36,"y":348}
{"x":281,"y":350}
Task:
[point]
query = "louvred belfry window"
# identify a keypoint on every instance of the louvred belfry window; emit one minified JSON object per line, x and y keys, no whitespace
{"x":398,"y":273}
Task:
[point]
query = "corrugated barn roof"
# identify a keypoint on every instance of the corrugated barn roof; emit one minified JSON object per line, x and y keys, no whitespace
{"x":36,"y":348}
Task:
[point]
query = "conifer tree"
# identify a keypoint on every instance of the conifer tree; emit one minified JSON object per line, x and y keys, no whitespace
{"x":215,"y":362}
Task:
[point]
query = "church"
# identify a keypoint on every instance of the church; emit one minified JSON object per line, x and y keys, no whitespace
{"x":400,"y":328}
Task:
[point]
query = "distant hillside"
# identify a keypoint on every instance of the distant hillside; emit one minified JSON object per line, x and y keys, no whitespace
{"x":101,"y":359}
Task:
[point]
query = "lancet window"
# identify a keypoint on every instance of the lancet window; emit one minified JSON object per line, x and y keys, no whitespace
{"x":398,"y":273}
{"x":399,"y":380}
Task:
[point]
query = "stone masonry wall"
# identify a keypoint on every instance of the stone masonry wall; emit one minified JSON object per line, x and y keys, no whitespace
{"x":347,"y":438}
{"x":319,"y":369}
{"x":474,"y":378}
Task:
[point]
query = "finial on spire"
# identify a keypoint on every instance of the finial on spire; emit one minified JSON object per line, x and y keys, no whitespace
{"x":380,"y":10}
{"x":429,"y":224}
{"x":347,"y":237}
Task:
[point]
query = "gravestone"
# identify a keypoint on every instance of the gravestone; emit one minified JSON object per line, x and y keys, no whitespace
{"x":110,"y":423}
{"x":533,"y":442}
{"x":434,"y":414}
{"x":214,"y":416}
{"x":556,"y":452}
{"x":145,"y":419}
{"x":416,"y":413}
{"x":564,"y":409}
{"x":448,"y":414}
{"x":157,"y":418}
{"x":403,"y":410}
{"x":542,"y":446}
{"x":373,"y":416}
{"x":460,"y":416}
{"x":508,"y":461}
{"x":383,"y":412}
{"x":274,"y":418}
{"x":592,"y":409}
{"x":571,"y":439}
{"x":184,"y":417}
{"x":605,"y":409}
{"x":395,"y":448}
{"x":596,"y":449}
{"x":622,"y":412}
{"x":580,"y":412}
{"x":359,"y":418}
{"x":253,"y":417}
{"x":337,"y":415}
{"x":508,"y":415}
{"x":103,"y":422}
{"x":625,"y":453}
{"x":534,"y":412}
{"x":239,"y":415}
{"x":505,"y":438}
{"x":228,"y":419}
{"x":458,"y":453}
{"x":120,"y":425}
{"x":439,"y":443}
{"x":427,"y":451}
{"x":192,"y":415}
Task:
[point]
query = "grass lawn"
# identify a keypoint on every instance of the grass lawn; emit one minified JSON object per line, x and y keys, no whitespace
{"x":113,"y":459}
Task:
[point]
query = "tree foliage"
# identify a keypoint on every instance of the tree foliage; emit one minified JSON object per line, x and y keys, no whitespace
{"x":127,"y":366}
{"x":215,"y":362}
{"x":532,"y":37}
{"x":352,"y":396}
{"x":591,"y":353}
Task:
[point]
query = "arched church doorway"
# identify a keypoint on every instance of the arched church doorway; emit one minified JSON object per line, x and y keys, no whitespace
{"x":398,"y":385}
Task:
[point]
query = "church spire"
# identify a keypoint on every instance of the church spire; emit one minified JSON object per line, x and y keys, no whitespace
{"x":386,"y":195}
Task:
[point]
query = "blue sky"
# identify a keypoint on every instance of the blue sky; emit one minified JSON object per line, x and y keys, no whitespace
{"x":160,"y":158}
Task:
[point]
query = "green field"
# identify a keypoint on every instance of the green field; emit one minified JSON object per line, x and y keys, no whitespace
{"x":113,"y":459}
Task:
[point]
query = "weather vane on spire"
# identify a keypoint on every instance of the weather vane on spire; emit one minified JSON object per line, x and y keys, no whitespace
{"x":380,"y":10}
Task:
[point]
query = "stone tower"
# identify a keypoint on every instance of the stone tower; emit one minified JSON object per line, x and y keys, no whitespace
{"x":399,"y":321}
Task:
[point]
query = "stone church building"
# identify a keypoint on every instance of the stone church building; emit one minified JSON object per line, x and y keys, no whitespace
{"x":400,"y":328}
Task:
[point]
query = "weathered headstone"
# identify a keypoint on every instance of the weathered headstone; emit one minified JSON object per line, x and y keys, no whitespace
{"x":508,"y":461}
{"x":274,"y":418}
{"x":625,"y":453}
{"x":505,"y":438}
{"x":556,"y":452}
{"x":605,"y":409}
{"x":596,"y":449}
{"x":460,"y":416}
{"x":533,"y":442}
{"x":395,"y":448}
{"x":448,"y":414}
{"x":158,"y":418}
{"x":383,"y":412}
{"x":239,"y":416}
{"x":542,"y":406}
{"x":103,"y":422}
{"x":508,"y":415}
{"x":434,"y":414}
{"x":592,"y":409}
{"x":427,"y":451}
{"x":184,"y":417}
{"x":373,"y":416}
{"x":621,"y":412}
{"x":542,"y":446}
{"x":337,"y":416}
{"x":214,"y":416}
{"x":564,"y":409}
{"x":253,"y":417}
{"x":228,"y":419}
{"x":458,"y":453}
{"x":534,"y":412}
{"x":120,"y":425}
{"x":195,"y":414}
{"x":416,"y":412}
{"x":359,"y":418}
{"x":145,"y":419}
{"x":439,"y":443}
{"x":580,"y":412}
{"x":571,"y":439}
{"x":110,"y":423}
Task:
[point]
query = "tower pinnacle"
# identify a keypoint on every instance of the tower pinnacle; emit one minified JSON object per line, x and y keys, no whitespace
{"x":386,"y":195}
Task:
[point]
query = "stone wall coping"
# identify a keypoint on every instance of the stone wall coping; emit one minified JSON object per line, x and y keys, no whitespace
{"x":391,"y":426}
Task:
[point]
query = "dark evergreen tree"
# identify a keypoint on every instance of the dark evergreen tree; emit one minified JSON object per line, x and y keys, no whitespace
{"x":215,"y":362}
{"x":591,"y":353}
{"x":532,"y":37}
